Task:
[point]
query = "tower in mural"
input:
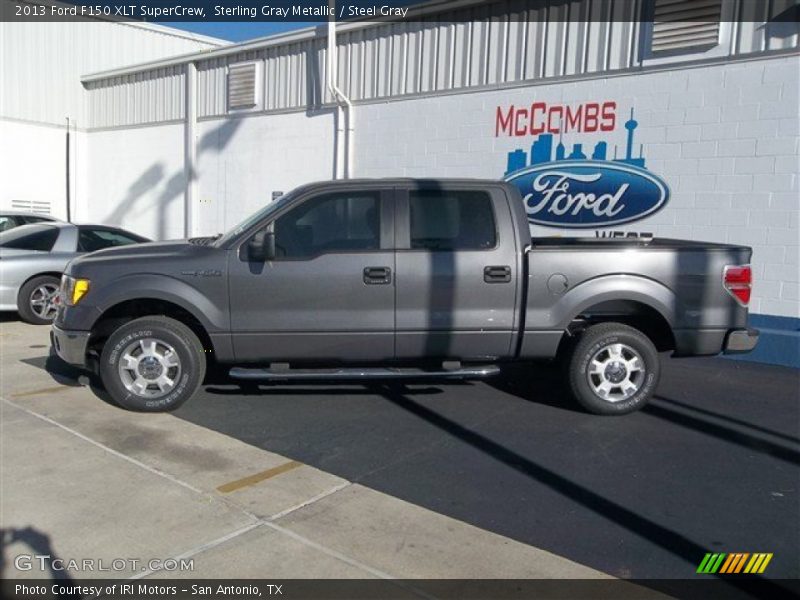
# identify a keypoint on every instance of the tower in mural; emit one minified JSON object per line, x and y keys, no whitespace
{"x":631,"y":125}
{"x":560,"y":150}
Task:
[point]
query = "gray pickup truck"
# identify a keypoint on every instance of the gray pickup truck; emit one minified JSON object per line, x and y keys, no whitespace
{"x":399,"y":278}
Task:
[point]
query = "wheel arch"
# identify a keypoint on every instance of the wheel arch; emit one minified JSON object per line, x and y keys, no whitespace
{"x":55,"y":274}
{"x":633,"y":313}
{"x":125,"y":310}
{"x":636,"y":301}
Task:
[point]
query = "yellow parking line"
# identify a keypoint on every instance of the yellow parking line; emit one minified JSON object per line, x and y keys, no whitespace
{"x":55,"y":388}
{"x":258,"y":477}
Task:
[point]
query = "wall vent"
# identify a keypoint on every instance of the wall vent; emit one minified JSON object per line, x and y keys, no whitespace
{"x":685,"y":25}
{"x":41,"y":207}
{"x":242,"y":86}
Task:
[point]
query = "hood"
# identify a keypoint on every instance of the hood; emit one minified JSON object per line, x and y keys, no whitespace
{"x":140,"y":256}
{"x":147,"y":249}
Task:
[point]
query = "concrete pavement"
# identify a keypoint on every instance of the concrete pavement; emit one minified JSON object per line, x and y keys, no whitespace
{"x":83,"y":479}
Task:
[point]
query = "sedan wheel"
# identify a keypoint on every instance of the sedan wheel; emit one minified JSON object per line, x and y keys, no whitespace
{"x":38,"y":300}
{"x":43,"y":301}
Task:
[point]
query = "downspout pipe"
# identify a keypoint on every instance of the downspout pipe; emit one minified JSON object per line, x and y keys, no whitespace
{"x":68,"y":178}
{"x":190,"y":149}
{"x":343,"y":148}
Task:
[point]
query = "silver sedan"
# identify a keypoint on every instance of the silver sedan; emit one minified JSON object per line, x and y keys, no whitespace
{"x":9,"y":220}
{"x":33,"y":257}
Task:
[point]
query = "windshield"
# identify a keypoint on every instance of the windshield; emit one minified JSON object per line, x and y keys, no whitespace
{"x":254,"y":218}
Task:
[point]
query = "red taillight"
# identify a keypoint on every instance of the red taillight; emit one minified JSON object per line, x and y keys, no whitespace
{"x":738,"y":280}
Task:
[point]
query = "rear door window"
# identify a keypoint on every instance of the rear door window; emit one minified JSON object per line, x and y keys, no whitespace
{"x":451,"y":220}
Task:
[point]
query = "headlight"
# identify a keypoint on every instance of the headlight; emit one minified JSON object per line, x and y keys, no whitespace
{"x":72,"y":289}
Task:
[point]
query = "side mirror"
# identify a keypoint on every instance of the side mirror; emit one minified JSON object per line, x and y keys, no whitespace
{"x":261,"y":247}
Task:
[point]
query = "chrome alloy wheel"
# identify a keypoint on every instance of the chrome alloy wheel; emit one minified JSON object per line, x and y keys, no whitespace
{"x":149,"y":368}
{"x":616,"y":372}
{"x":44,"y":301}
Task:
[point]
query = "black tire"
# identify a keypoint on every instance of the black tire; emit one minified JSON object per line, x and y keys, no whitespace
{"x":598,"y":349}
{"x":133,"y":343}
{"x":26,"y":296}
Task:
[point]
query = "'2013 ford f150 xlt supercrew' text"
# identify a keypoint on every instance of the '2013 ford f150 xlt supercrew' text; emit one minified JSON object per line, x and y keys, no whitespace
{"x":399,"y":278}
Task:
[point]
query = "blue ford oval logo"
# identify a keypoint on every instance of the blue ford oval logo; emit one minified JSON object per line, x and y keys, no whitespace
{"x":588,"y":193}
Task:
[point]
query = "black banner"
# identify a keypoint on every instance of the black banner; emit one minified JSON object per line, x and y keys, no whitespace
{"x":373,"y":10}
{"x":703,"y":587}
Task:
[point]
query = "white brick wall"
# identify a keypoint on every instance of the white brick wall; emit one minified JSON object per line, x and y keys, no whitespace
{"x":136,"y":179}
{"x":725,"y":138}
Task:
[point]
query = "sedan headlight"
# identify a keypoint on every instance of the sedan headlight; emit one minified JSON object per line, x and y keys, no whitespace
{"x":73,"y":289}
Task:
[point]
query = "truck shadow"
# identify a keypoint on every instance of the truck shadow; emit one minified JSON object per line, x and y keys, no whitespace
{"x":539,"y":383}
{"x":69,"y":376}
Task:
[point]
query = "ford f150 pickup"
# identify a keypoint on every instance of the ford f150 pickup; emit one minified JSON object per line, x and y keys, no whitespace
{"x":399,"y":278}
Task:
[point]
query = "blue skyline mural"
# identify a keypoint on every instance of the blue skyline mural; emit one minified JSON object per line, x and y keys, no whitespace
{"x":542,"y":151}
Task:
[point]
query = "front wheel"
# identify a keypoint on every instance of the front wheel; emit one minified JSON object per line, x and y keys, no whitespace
{"x":614,"y":369}
{"x":152,"y":364}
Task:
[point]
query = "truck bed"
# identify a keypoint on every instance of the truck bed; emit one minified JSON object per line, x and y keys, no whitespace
{"x":680,"y":280}
{"x":567,"y":243}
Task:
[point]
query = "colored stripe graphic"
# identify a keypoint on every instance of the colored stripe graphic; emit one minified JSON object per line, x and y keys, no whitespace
{"x":734,"y":563}
{"x":711,"y":563}
{"x":728,"y":563}
{"x":758,"y":563}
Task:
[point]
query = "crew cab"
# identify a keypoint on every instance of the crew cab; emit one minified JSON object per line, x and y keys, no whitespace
{"x":399,"y":278}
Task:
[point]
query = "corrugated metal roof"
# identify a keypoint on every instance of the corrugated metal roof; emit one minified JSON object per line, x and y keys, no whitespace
{"x":464,"y":45}
{"x":42,"y":62}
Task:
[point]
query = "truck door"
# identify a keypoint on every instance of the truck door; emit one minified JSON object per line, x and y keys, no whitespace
{"x":329,"y":293}
{"x":457,"y":272}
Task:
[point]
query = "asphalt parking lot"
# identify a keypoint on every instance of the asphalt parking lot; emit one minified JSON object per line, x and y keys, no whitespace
{"x":510,"y":465}
{"x":710,"y":466}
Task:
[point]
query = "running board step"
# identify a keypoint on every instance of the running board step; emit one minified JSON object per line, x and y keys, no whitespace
{"x":474,"y":372}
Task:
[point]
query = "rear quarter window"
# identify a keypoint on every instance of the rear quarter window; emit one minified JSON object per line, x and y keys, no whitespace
{"x":38,"y":238}
{"x":91,"y":240}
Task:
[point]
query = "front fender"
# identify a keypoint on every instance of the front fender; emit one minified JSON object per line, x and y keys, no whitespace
{"x":213,"y":316}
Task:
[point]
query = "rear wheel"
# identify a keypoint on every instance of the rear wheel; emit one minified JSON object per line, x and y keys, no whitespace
{"x":37,"y":302}
{"x":152,"y":364}
{"x":614,"y":369}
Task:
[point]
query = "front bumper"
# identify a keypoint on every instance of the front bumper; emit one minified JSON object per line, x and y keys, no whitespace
{"x":740,"y":341}
{"x":70,"y":345}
